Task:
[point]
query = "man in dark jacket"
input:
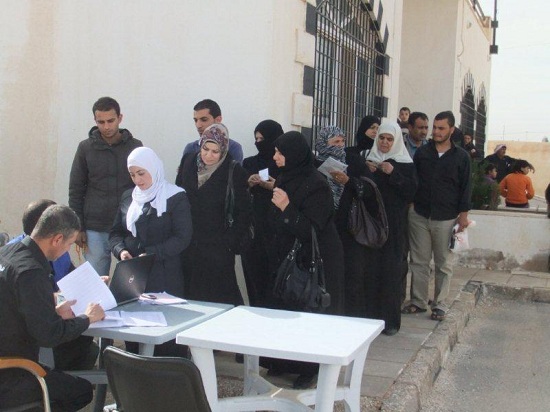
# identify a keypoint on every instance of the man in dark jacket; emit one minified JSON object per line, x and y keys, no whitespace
{"x":441,"y":201}
{"x":206,"y":113}
{"x":99,"y":176}
{"x":29,"y":318}
{"x":501,"y":161}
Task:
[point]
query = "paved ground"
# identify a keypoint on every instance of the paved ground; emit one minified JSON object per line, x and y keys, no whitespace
{"x":500,"y":362}
{"x":400,"y":369}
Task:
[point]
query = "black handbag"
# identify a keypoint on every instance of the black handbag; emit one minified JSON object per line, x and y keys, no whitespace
{"x":368,"y":230}
{"x":302,"y":286}
{"x":246,"y":240}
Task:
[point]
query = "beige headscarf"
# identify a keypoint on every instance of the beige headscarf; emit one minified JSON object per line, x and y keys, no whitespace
{"x":215,"y":133}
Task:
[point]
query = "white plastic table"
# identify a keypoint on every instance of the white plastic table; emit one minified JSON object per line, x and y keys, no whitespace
{"x":178,"y":317}
{"x":331,"y":341}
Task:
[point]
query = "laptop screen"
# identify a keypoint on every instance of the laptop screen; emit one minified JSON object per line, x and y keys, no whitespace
{"x":130,"y":278}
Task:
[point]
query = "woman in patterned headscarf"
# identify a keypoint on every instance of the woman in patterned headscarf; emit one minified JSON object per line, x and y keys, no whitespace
{"x":346,"y":186}
{"x":209,"y":262}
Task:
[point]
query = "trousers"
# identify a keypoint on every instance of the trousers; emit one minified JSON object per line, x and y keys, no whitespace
{"x":429,"y":237}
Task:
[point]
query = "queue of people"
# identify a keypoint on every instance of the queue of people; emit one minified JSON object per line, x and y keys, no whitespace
{"x":197,"y":226}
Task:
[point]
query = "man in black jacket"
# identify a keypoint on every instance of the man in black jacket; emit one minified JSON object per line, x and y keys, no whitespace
{"x":501,"y":161}
{"x":29,"y":318}
{"x":442,"y":200}
{"x":99,"y":176}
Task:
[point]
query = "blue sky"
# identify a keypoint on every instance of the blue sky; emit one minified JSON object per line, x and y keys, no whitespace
{"x":519,"y":106}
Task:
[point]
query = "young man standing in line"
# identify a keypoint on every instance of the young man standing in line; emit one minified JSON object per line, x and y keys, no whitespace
{"x":99,"y":176}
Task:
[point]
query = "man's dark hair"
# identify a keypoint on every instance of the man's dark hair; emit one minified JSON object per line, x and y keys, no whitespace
{"x":405,"y":108}
{"x":416,"y":115}
{"x":56,"y":219}
{"x":104,"y":104}
{"x":520,"y":164}
{"x":33,"y":212}
{"x":489,"y":168}
{"x":211,"y":105}
{"x":446,"y":115}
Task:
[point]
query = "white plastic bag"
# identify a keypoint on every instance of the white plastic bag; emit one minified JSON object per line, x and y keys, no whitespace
{"x":459,"y":241}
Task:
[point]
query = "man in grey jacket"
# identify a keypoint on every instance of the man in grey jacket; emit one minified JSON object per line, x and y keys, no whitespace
{"x":99,"y":176}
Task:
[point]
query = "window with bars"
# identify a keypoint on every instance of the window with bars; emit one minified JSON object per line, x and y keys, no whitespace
{"x":474,"y":117}
{"x":349,"y":66}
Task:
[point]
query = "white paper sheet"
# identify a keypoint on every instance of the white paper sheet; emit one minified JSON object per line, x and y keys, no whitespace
{"x":161,"y":299}
{"x":117,"y":319}
{"x":264,"y":174}
{"x":85,"y":285}
{"x":332,"y":165}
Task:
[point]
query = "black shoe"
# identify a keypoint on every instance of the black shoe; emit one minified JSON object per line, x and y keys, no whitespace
{"x":390,"y":331}
{"x":239,"y":358}
{"x":303,"y":382}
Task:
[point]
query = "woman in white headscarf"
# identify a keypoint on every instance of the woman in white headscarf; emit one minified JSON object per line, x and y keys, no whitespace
{"x":395,"y":175}
{"x":154,"y":217}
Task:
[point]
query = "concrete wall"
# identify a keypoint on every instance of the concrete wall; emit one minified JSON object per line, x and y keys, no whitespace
{"x":157,"y":59}
{"x":442,"y":41}
{"x":536,"y":153}
{"x":508,"y":240}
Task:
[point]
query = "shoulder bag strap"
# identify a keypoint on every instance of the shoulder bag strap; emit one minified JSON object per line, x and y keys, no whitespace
{"x":230,"y":197}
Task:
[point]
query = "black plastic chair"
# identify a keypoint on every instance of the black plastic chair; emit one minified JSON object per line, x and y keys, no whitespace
{"x":144,"y":384}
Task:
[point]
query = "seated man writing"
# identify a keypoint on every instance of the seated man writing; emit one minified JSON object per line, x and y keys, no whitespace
{"x":29,"y":317}
{"x":80,"y":353}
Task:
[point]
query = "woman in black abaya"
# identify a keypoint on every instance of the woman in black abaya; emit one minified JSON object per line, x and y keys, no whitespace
{"x":302,"y":199}
{"x":255,"y":260}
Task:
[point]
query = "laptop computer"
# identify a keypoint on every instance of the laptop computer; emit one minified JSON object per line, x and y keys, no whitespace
{"x":130,"y":278}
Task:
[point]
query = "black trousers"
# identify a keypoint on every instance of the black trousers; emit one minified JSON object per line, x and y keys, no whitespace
{"x":67,"y":393}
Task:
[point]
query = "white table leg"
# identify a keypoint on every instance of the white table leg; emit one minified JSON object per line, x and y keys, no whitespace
{"x":251,"y":367}
{"x":204,"y":359}
{"x":326,"y":387}
{"x":352,"y":380}
{"x":146,"y":349}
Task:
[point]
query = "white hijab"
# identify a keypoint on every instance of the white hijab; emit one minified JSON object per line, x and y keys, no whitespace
{"x":398,"y":151}
{"x":159,"y":192}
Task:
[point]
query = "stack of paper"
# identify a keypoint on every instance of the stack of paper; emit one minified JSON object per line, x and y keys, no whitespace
{"x":161,"y":299}
{"x":116,"y":319}
{"x":86,"y":286}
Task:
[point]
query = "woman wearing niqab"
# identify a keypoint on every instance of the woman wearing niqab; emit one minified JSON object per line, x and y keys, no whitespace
{"x":255,"y":260}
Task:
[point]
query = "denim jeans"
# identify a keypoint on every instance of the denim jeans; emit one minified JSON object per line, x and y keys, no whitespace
{"x":98,"y":252}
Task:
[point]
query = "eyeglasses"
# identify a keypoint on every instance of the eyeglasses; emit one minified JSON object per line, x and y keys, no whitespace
{"x":389,"y":139}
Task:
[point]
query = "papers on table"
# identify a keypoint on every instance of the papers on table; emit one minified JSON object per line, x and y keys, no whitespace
{"x":264,"y":174}
{"x":116,"y":319}
{"x":332,"y":165}
{"x":161,"y":299}
{"x":86,"y":286}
